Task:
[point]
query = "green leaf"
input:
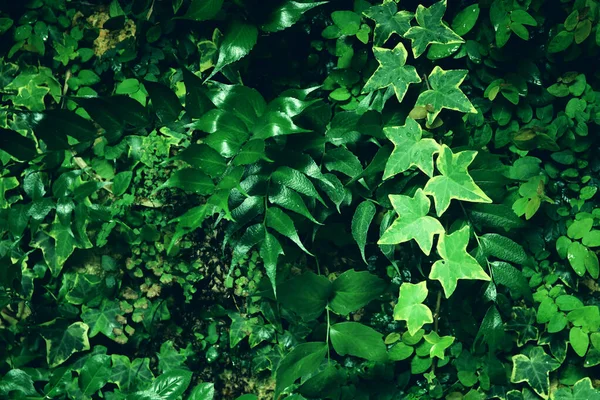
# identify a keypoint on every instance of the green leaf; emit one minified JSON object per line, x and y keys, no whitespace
{"x":560,"y":42}
{"x":277,"y":219}
{"x":289,"y":199}
{"x":465,"y":20}
{"x":439,"y":344}
{"x":579,"y":228}
{"x":17,"y":380}
{"x":204,"y":391}
{"x":94,"y":374}
{"x":275,"y":123}
{"x":205,"y":158}
{"x":524,"y":323}
{"x":410,"y":308}
{"x":251,"y":152}
{"x":165,"y":102}
{"x":492,"y":329}
{"x":63,"y":340}
{"x":270,"y":250}
{"x":353,"y":290}
{"x":172,"y":384}
{"x":498,"y":216}
{"x":130,"y":376}
{"x":190,"y":180}
{"x":103,"y":319}
{"x":582,"y":390}
{"x":445,"y":93}
{"x":347,"y":21}
{"x":358,"y":340}
{"x":456,"y":263}
{"x":287,"y":15}
{"x":64,"y":242}
{"x":306,"y":294}
{"x":503,"y":248}
{"x":507,"y":275}
{"x":534,"y":369}
{"x":363,"y":216}
{"x":239,"y":39}
{"x":455,"y":181}
{"x":580,"y":341}
{"x":388,"y":21}
{"x":576,"y":254}
{"x":304,"y":359}
{"x":431,"y":29}
{"x":17,"y":145}
{"x":392,"y":71}
{"x":343,"y":160}
{"x":412,"y":222}
{"x":410,"y":149}
{"x":296,"y":180}
{"x":121,"y":182}
{"x":203,"y":10}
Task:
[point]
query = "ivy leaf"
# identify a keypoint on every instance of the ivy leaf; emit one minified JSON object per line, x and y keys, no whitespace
{"x":94,"y":374}
{"x":358,"y":340}
{"x":103,"y":319}
{"x":64,"y":242}
{"x":412,"y":222}
{"x":287,"y":15}
{"x":445,"y":93}
{"x":456,"y":263}
{"x":305,"y":358}
{"x":239,"y":39}
{"x":410,"y":308}
{"x":523,"y":322}
{"x":63,"y":340}
{"x":363,"y":216}
{"x":130,"y":375}
{"x":17,"y":380}
{"x":353,"y":290}
{"x":409,"y":149}
{"x":439,"y":344}
{"x":534,"y":369}
{"x":582,"y":390}
{"x":392,"y":71}
{"x":277,"y":219}
{"x":431,"y":29}
{"x":388,"y":21}
{"x":455,"y":181}
{"x":270,"y":250}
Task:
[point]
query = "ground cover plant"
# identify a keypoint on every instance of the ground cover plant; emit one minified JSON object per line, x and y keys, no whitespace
{"x":246,"y":199}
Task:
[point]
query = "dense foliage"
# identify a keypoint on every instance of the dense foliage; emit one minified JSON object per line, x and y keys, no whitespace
{"x":368,"y":199}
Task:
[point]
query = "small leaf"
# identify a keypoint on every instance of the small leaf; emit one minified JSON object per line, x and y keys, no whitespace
{"x":363,"y":216}
{"x":304,"y":359}
{"x":165,"y":102}
{"x":203,"y":391}
{"x":410,"y":308}
{"x":289,"y":199}
{"x":296,"y":180}
{"x":465,"y":20}
{"x":171,"y":384}
{"x":270,"y":250}
{"x":358,"y":340}
{"x":344,"y":161}
{"x":456,"y":263}
{"x":580,"y":341}
{"x":121,"y":182}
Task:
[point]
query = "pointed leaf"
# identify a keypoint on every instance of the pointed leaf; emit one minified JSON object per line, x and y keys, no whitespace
{"x":287,"y":15}
{"x":270,"y":250}
{"x":171,"y":384}
{"x":277,"y":219}
{"x":388,"y":21}
{"x":412,"y":222}
{"x":455,"y":182}
{"x":363,"y":216}
{"x":165,"y":102}
{"x":17,"y":145}
{"x":410,"y":308}
{"x":205,"y":158}
{"x":239,"y":39}
{"x":358,"y":340}
{"x":63,"y":340}
{"x":203,"y":10}
{"x":289,"y":199}
{"x":353,"y":290}
{"x":305,"y":358}
{"x":534,"y":369}
{"x":456,"y":263}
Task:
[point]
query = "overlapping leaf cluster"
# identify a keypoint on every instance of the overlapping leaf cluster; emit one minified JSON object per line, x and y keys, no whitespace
{"x":299,"y":199}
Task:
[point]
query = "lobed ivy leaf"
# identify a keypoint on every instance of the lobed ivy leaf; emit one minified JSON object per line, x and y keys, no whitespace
{"x":455,"y":181}
{"x":431,"y":29}
{"x":456,"y":263}
{"x":582,"y":390}
{"x":63,"y":340}
{"x":94,"y":374}
{"x":392,"y":71}
{"x":410,"y":308}
{"x":444,"y":92}
{"x":410,"y":149}
{"x":534,"y":369}
{"x":412,"y":222}
{"x":388,"y":20}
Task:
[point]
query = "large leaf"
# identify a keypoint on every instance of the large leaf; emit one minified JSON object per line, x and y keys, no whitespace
{"x":412,"y":222}
{"x":534,"y":369}
{"x":17,"y":145}
{"x":445,"y":93}
{"x":287,"y":14}
{"x":203,"y":10}
{"x":171,"y":384}
{"x":239,"y":39}
{"x":388,"y":21}
{"x":63,"y":340}
{"x":190,"y":180}
{"x":94,"y":374}
{"x":582,"y":390}
{"x":392,"y":71}
{"x":410,"y":149}
{"x":305,"y":358}
{"x":353,"y":290}
{"x":363,"y":216}
{"x":306,"y":294}
{"x":431,"y":29}
{"x":455,"y":181}
{"x":165,"y":102}
{"x":277,"y":219}
{"x":130,"y":376}
{"x":357,"y":340}
{"x":456,"y":263}
{"x":410,"y":308}
{"x":503,"y":248}
{"x":104,"y":319}
{"x":16,"y":381}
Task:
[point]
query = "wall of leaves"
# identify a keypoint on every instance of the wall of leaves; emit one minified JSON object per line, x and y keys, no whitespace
{"x":246,"y":199}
